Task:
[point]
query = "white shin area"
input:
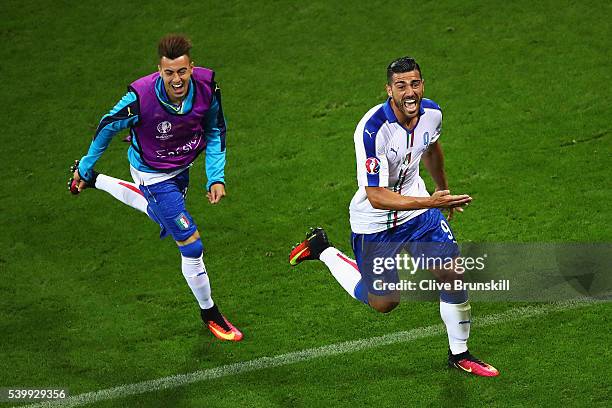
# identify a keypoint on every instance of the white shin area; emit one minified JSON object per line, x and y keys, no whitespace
{"x":343,"y":268}
{"x":195,"y":274}
{"x":456,"y":317}
{"x":124,"y":191}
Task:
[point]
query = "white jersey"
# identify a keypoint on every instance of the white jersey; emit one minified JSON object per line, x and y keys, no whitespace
{"x":388,"y":155}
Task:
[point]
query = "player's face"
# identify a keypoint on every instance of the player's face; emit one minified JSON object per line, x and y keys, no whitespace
{"x":176,"y":74}
{"x":406,"y":93}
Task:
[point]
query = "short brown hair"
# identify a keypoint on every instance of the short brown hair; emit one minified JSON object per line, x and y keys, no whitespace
{"x":173,"y":46}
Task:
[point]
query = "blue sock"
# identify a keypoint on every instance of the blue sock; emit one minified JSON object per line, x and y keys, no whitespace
{"x":454,"y":297}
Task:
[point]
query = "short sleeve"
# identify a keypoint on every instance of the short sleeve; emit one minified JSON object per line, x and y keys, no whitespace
{"x":371,"y":157}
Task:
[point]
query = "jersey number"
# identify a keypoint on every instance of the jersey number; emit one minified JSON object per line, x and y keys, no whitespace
{"x":446,"y":229}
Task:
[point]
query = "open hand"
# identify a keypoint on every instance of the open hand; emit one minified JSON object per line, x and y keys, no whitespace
{"x":444,"y":199}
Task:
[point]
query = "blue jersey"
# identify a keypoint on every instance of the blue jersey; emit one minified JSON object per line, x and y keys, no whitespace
{"x":125,"y":115}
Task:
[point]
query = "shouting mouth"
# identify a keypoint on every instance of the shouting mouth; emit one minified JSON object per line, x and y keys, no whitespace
{"x":178,"y":88}
{"x":410,"y":104}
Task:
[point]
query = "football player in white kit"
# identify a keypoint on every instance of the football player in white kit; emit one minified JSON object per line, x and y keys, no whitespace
{"x":392,"y":210}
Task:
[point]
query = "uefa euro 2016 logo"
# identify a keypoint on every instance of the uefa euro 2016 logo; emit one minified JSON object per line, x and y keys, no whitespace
{"x":164,"y":127}
{"x":372,"y":165}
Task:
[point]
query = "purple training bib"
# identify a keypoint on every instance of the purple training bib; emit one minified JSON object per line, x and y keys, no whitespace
{"x":169,"y":141}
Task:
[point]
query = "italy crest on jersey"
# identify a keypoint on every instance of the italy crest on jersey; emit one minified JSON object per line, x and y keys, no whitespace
{"x":372,"y":165}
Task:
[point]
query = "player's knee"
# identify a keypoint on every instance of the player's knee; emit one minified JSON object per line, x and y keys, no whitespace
{"x":446,"y":275}
{"x":192,"y":238}
{"x":193,"y":249}
{"x":386,"y":307}
{"x":383,"y":305}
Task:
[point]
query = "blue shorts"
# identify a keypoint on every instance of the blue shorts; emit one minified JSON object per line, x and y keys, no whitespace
{"x":427,"y":236}
{"x":167,"y":206}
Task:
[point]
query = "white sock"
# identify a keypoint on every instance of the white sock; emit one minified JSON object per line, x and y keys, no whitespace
{"x":456,"y":317}
{"x":124,"y":191}
{"x":343,"y":268}
{"x":197,"y":279}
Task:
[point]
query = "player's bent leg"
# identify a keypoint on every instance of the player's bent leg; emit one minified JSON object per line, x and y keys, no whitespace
{"x":124,"y":191}
{"x":195,"y":274}
{"x":316,"y":246}
{"x":346,"y":273}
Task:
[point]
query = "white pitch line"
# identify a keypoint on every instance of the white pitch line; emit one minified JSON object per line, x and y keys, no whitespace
{"x":261,"y":363}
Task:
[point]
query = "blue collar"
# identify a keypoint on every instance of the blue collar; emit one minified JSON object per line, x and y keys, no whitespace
{"x":185,"y":107}
{"x":391,"y":115}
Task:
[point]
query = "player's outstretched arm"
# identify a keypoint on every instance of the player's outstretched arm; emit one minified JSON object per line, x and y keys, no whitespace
{"x":384,"y":199}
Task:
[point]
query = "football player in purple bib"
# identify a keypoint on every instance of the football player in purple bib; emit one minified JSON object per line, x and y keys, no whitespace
{"x":173,"y":115}
{"x":392,"y":212}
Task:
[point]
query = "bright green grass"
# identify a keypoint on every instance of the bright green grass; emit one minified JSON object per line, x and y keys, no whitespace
{"x":89,"y":298}
{"x":406,"y":374}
